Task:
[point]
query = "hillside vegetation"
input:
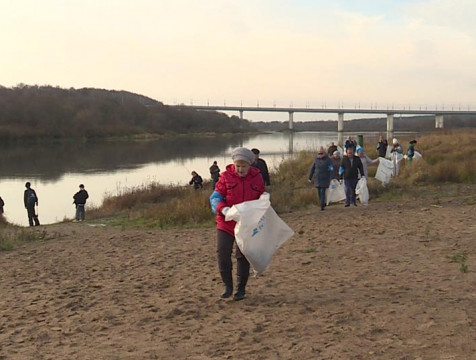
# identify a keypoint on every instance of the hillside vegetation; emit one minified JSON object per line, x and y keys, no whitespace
{"x":45,"y":112}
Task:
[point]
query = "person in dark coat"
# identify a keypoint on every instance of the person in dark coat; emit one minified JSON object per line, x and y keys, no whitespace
{"x":382,"y":147}
{"x":411,"y":150}
{"x":196,"y":181}
{"x":322,"y":171}
{"x":30,"y":200}
{"x":330,"y":150}
{"x":214,"y":173}
{"x":263,"y":167}
{"x":349,"y":169}
{"x":2,"y":204}
{"x":80,"y":201}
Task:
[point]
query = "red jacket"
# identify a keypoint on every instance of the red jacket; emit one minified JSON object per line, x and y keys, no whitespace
{"x":236,"y":190}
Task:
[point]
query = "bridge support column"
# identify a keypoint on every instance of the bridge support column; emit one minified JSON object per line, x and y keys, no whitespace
{"x":439,"y":121}
{"x":241,"y":114}
{"x":291,"y":118}
{"x":389,"y":127}
{"x":340,"y":129}
{"x":291,"y":142}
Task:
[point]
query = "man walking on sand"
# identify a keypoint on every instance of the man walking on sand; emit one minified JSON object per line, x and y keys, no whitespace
{"x":80,"y":201}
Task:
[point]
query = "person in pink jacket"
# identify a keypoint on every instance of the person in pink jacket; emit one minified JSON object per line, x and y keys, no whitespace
{"x":240,"y":182}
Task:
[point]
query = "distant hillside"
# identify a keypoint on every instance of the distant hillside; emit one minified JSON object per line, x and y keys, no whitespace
{"x":408,"y":123}
{"x":46,"y":112}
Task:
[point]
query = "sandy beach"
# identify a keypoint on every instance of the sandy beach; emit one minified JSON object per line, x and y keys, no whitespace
{"x":368,"y":282}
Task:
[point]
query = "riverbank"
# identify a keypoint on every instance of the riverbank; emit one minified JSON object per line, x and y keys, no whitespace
{"x":392,"y":280}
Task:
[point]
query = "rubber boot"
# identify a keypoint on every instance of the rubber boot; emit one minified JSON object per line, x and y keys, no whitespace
{"x":228,"y":282}
{"x":241,"y":286}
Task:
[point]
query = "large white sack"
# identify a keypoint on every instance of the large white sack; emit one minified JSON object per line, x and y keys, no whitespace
{"x":336,"y":192}
{"x":416,"y":155}
{"x":384,"y":170}
{"x":362,"y":191}
{"x":259,"y":231}
{"x":397,"y":160}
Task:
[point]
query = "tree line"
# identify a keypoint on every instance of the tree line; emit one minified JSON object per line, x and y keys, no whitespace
{"x":406,"y":123}
{"x":46,"y":112}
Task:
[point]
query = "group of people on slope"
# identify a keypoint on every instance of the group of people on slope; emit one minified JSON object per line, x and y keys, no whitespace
{"x":197,"y":180}
{"x":349,"y":168}
{"x":30,"y":200}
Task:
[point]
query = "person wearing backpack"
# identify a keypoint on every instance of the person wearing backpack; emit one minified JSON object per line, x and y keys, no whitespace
{"x":30,"y":199}
{"x":80,"y":201}
{"x":196,"y":181}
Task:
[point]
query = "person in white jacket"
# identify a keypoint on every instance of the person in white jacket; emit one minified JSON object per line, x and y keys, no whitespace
{"x":364,"y":158}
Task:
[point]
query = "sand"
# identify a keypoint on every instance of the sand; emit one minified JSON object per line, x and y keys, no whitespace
{"x":373,"y":282}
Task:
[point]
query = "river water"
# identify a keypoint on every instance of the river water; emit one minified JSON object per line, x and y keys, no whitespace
{"x":109,"y":168}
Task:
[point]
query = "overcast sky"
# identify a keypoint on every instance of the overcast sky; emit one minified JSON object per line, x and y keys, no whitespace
{"x":305,"y":53}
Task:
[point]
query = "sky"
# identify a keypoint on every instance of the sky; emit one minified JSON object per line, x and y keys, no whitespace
{"x":300,"y":53}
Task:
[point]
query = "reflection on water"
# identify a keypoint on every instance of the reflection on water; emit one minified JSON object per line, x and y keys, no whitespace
{"x":56,"y":170}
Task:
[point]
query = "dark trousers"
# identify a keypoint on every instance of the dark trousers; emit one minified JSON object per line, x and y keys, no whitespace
{"x":350,"y":185}
{"x":32,"y":217}
{"x":80,"y":213}
{"x":321,"y":191}
{"x":225,"y":243}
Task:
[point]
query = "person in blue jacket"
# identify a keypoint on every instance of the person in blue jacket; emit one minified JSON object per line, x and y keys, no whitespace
{"x":322,"y":171}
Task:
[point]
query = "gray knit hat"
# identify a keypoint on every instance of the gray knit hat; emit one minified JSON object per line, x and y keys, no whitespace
{"x":244,"y":154}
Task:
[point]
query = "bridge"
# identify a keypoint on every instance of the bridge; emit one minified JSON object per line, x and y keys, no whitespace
{"x":390,"y":113}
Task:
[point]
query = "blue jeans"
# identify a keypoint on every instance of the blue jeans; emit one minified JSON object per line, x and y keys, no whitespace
{"x":350,"y":185}
{"x":80,"y":213}
{"x":321,"y":192}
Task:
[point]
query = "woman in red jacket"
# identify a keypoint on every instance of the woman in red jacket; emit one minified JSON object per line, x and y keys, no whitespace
{"x":240,"y":182}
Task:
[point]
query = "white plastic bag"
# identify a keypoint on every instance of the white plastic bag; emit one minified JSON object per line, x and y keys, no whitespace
{"x":259,"y":231}
{"x":384,"y":170}
{"x":396,"y":160}
{"x":417,"y":156}
{"x":362,"y":191}
{"x":336,"y":192}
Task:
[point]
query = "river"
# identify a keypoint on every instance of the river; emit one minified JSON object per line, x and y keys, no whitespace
{"x":109,"y":168}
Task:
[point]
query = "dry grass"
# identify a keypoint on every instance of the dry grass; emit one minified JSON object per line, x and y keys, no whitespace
{"x":156,"y":205}
{"x":446,"y":158}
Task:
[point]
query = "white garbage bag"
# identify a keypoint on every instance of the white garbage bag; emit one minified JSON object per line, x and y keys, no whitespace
{"x":362,"y":191}
{"x":259,"y":231}
{"x":384,"y":170}
{"x":336,"y":192}
{"x":417,"y":156}
{"x":397,"y":160}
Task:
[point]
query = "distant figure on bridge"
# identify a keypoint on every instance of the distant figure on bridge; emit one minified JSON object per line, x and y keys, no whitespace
{"x":214,"y":173}
{"x":30,"y":200}
{"x":2,"y":204}
{"x":330,"y":150}
{"x":263,"y":167}
{"x":382,"y":146}
{"x":196,"y":181}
